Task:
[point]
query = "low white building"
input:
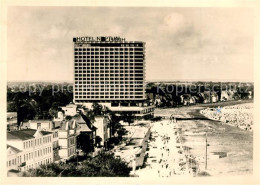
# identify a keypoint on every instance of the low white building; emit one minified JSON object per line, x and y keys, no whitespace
{"x":45,"y":125}
{"x":67,"y":139}
{"x":70,"y":109}
{"x":12,"y":123}
{"x":102,"y":128}
{"x":50,"y":126}
{"x":60,"y":116}
{"x":31,"y":148}
{"x":13,"y":157}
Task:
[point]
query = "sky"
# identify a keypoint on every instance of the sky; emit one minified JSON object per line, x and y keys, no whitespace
{"x":181,"y":43}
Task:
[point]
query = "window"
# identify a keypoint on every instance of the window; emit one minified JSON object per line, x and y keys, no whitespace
{"x":38,"y":125}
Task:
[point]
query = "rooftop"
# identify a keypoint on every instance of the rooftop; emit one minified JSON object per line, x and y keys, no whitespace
{"x":83,"y":127}
{"x":40,"y":120}
{"x":15,"y":149}
{"x":23,"y":134}
{"x":70,"y":105}
{"x":70,"y":125}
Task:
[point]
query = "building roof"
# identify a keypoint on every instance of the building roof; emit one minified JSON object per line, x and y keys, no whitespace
{"x":24,"y":134}
{"x":18,"y":135}
{"x":40,"y":121}
{"x":83,"y":127}
{"x":12,"y":147}
{"x":11,"y":114}
{"x":78,"y":118}
{"x":64,"y":125}
{"x":32,"y":132}
{"x":70,"y":105}
{"x":130,"y":108}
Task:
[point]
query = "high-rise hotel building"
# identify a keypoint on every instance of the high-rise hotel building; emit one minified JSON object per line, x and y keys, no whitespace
{"x":109,"y":70}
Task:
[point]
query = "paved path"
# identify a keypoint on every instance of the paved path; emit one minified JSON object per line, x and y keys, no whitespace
{"x":136,"y":145}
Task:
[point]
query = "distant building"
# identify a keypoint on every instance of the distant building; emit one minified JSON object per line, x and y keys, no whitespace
{"x":70,"y":109}
{"x":206,"y":97}
{"x":250,"y":94}
{"x":226,"y":95}
{"x":12,"y":122}
{"x":214,"y":97}
{"x":30,"y":148}
{"x":60,"y":116}
{"x":187,"y":99}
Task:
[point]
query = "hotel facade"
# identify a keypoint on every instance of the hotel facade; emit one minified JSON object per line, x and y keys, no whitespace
{"x":110,"y":71}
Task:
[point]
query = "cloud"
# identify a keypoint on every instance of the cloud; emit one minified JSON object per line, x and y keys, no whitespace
{"x":173,"y":23}
{"x":180,"y":42}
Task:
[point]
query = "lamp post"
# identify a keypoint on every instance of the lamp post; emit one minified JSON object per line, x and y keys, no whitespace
{"x":206,"y":160}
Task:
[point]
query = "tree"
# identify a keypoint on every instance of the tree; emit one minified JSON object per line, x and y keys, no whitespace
{"x":97,"y":109}
{"x":105,"y":164}
{"x":98,"y":140}
{"x":114,"y":123}
{"x":53,"y":112}
{"x":85,"y":143}
{"x":49,"y":170}
{"x":68,"y":118}
{"x":128,"y":117}
{"x":30,"y":105}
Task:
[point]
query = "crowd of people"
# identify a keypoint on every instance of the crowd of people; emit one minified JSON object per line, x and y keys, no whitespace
{"x":240,"y":115}
{"x":170,"y":154}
